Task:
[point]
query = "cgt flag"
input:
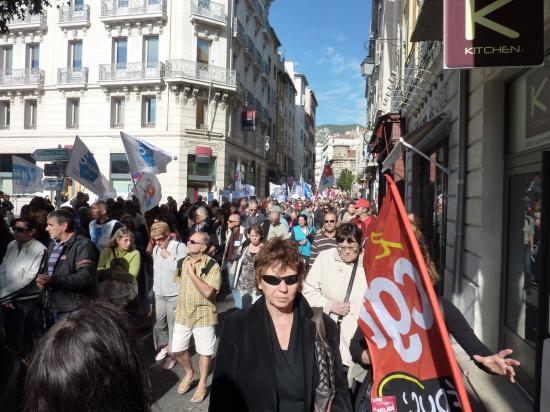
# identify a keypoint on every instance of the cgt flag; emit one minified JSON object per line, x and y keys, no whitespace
{"x":327,"y":178}
{"x":143,"y":156}
{"x":27,"y":177}
{"x":413,"y":362}
{"x":84,"y":169}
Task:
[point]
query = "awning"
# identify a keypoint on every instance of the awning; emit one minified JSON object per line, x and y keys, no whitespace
{"x":383,"y":132}
{"x":203,"y":154}
{"x":429,"y":23}
{"x":423,"y":137}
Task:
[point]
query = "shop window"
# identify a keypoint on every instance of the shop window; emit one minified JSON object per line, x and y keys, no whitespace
{"x":6,"y":169}
{"x":120,"y":173}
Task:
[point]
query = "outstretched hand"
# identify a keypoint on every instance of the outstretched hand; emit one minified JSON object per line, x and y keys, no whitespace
{"x":499,"y":363}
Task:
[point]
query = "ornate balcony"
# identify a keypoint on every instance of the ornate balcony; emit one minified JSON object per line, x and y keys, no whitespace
{"x":72,"y":17}
{"x":206,"y":11}
{"x":21,"y":79}
{"x":130,"y":74}
{"x":29,"y":22}
{"x":114,"y":11}
{"x":199,"y":73}
{"x":72,"y":78}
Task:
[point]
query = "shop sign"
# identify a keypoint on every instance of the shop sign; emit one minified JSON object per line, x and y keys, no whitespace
{"x":537,"y":97}
{"x":248,"y":120}
{"x":493,"y":33}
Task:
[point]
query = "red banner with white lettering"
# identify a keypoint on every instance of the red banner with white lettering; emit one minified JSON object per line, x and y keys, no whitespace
{"x":413,"y":361}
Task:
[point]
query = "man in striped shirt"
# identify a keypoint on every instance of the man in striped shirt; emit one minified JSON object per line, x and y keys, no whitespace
{"x":325,"y":239}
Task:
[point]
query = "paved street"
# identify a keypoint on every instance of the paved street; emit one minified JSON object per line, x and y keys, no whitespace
{"x":164,"y":383}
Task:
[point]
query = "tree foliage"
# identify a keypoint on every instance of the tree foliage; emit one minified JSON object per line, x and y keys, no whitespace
{"x":14,"y":9}
{"x":345,"y":180}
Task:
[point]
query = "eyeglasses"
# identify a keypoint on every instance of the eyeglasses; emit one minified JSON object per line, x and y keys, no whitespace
{"x":348,"y":249}
{"x":276,"y":280}
{"x":231,"y":221}
{"x":159,"y":239}
{"x":20,"y":229}
{"x":194,"y":242}
{"x":330,"y":221}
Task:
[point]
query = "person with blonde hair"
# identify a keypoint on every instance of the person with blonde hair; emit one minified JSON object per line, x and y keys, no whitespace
{"x":166,"y":254}
{"x":118,"y":268}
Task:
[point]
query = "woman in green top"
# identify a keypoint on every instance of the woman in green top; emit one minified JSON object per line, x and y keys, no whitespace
{"x":118,"y":269}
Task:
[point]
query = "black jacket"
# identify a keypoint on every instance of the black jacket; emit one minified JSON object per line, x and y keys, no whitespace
{"x":74,"y":276}
{"x":244,"y":376}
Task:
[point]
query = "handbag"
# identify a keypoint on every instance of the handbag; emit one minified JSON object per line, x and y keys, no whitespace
{"x":348,"y":291}
{"x":325,"y":392}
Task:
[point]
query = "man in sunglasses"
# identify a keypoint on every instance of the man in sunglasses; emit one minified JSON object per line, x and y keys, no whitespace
{"x":325,"y":239}
{"x":252,"y":215}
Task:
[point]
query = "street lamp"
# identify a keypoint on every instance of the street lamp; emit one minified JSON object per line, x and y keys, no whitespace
{"x":367,"y":66}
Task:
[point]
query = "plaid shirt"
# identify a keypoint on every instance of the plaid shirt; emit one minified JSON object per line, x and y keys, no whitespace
{"x":193,"y":309}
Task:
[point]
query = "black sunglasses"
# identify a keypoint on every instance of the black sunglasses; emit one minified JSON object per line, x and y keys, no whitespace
{"x":20,"y":229}
{"x":194,"y":242}
{"x":330,"y":221}
{"x":276,"y":280}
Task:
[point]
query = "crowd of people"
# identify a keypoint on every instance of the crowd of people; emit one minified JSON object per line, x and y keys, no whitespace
{"x":293,"y":271}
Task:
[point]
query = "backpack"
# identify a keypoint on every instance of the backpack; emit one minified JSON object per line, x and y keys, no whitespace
{"x":204,"y":271}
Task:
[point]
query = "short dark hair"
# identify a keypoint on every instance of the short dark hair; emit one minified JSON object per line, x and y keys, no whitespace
{"x":349,"y":232}
{"x":282,"y":253}
{"x":304,"y":216}
{"x":88,"y":362}
{"x":63,"y":216}
{"x":29,"y":221}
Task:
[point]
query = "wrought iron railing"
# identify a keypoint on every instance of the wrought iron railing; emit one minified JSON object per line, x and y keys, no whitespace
{"x":21,"y":77}
{"x":69,"y":14}
{"x":29,"y":19}
{"x":200,"y":71}
{"x":207,"y":8}
{"x":131,"y":71}
{"x":114,"y":8}
{"x":72,"y":75}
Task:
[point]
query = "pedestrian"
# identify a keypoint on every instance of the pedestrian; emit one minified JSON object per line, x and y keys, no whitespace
{"x":267,"y":357}
{"x":245,"y":275}
{"x":273,"y":228}
{"x":102,"y":227}
{"x":252,"y":215}
{"x":348,"y":213}
{"x":199,"y":279}
{"x":324,"y":239}
{"x":166,"y":254}
{"x":336,"y":283}
{"x":88,"y":362}
{"x":303,"y":235}
{"x":69,"y":275}
{"x":363,"y":219}
{"x":236,"y":236}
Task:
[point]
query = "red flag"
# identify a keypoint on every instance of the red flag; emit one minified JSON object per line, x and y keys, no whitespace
{"x":413,"y":361}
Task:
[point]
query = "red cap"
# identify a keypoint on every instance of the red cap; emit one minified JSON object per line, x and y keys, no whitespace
{"x":362,"y":203}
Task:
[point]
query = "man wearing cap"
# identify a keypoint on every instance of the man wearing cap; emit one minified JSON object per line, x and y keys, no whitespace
{"x":363,"y":219}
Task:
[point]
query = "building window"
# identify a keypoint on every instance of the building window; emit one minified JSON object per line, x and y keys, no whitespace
{"x":120,"y":52}
{"x":78,"y":4}
{"x":151,"y":51}
{"x":74,"y":58}
{"x":33,"y":56}
{"x":203,"y":51}
{"x":6,"y":59}
{"x":148,"y":111}
{"x":30,"y":114}
{"x":120,"y":173}
{"x":117,"y":111}
{"x":73,"y":106}
{"x":201,"y":114}
{"x":4,"y":114}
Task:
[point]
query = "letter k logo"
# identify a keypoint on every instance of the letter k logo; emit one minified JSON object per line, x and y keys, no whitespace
{"x":474,"y":17}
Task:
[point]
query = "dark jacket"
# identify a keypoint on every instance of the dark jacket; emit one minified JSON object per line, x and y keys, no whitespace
{"x":74,"y":276}
{"x":244,"y":377}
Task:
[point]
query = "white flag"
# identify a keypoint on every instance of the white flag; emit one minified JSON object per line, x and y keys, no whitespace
{"x":27,"y":177}
{"x":277,"y":192}
{"x":148,"y":191}
{"x":84,"y":169}
{"x":143,"y":156}
{"x":248,"y":190}
{"x":238,"y":178}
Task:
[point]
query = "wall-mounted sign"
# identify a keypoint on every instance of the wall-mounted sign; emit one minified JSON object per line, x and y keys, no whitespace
{"x":248,"y":120}
{"x":493,"y":33}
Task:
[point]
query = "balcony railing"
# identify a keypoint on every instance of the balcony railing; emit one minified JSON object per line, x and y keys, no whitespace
{"x":72,"y":15}
{"x":72,"y":76}
{"x":209,"y":9}
{"x":199,"y":71}
{"x":131,"y":72}
{"x":122,"y":8}
{"x":21,"y":77}
{"x":239,"y":32}
{"x":29,"y":21}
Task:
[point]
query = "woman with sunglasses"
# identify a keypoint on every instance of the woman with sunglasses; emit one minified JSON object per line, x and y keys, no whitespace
{"x":266,"y":357}
{"x":166,"y":254}
{"x":336,"y":282}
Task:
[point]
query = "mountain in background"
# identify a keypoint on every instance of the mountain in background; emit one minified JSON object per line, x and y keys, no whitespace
{"x":339,"y":128}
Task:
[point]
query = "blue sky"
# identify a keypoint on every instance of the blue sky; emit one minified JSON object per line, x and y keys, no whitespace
{"x":325,"y":38}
